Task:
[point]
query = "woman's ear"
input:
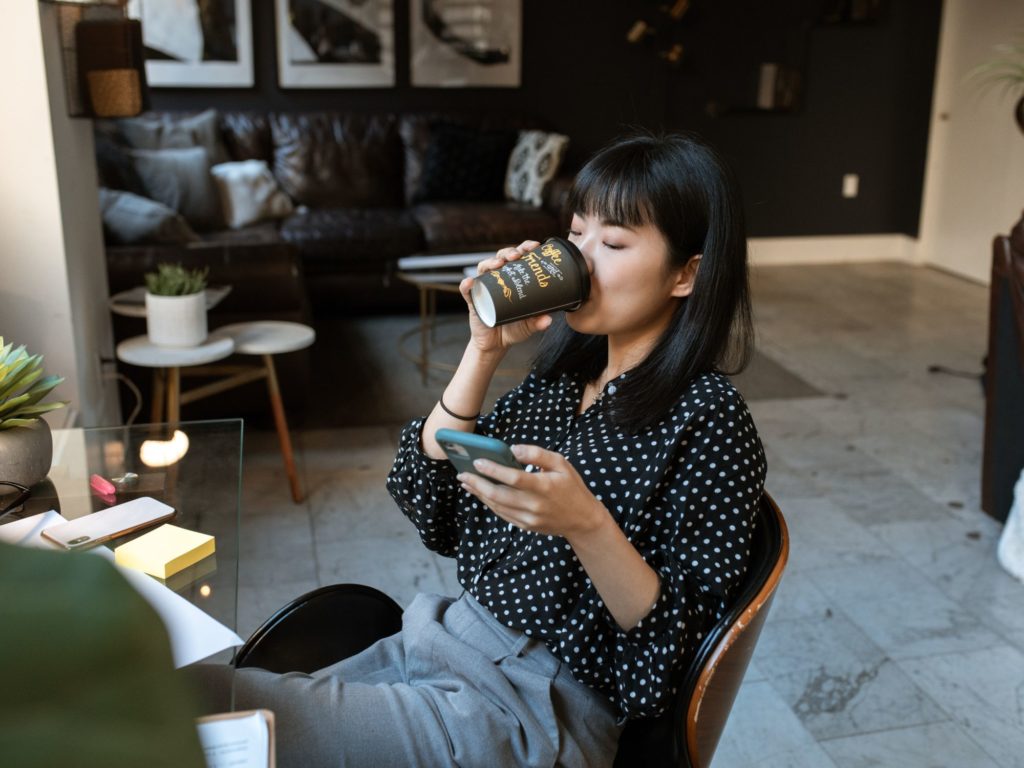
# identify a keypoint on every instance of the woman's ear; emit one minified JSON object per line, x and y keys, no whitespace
{"x":686,"y":277}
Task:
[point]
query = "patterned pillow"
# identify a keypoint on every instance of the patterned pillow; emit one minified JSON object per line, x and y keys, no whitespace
{"x":533,"y":163}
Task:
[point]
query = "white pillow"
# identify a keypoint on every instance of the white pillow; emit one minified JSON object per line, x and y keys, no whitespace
{"x":533,"y":163}
{"x":249,"y":193}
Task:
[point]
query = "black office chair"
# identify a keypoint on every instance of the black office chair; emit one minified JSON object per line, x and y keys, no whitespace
{"x":331,"y":623}
{"x":320,"y":628}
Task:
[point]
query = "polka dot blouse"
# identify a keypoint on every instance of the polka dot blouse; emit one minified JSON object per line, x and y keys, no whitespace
{"x":684,"y":492}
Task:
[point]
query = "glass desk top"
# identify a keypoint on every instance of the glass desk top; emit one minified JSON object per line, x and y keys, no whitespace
{"x":203,"y":486}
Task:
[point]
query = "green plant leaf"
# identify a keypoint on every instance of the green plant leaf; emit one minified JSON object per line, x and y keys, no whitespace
{"x":23,"y":375}
{"x":35,"y":410}
{"x":175,"y":280}
{"x":23,"y":386}
{"x":11,"y":406}
{"x":43,"y":388}
{"x":8,"y":423}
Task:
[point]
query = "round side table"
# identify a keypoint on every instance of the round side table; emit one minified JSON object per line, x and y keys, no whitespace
{"x":267,"y":338}
{"x":168,"y":362}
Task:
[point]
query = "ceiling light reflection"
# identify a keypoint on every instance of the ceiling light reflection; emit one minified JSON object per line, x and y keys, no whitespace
{"x":164,"y":453}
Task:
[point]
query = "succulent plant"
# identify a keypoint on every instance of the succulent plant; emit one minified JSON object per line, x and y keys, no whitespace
{"x":175,"y":280}
{"x":22,"y":386}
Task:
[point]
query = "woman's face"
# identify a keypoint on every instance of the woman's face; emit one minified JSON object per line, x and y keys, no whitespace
{"x":632,"y":290}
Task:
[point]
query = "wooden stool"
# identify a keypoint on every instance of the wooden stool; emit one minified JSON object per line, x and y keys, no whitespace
{"x":263,"y":337}
{"x":267,"y":338}
{"x":168,"y":362}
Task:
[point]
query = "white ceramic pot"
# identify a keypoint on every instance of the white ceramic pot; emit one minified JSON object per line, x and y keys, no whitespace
{"x":176,"y":321}
{"x":26,"y":453}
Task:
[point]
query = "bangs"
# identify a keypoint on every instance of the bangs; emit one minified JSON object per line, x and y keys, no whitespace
{"x":617,"y":191}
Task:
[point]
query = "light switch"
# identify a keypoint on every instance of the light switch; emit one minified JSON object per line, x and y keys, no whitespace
{"x":851,"y":184}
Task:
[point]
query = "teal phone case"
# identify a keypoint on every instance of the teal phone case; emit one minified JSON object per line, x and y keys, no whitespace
{"x":463,"y":448}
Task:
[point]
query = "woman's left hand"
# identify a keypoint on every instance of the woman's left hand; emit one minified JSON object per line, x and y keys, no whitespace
{"x":554,"y":501}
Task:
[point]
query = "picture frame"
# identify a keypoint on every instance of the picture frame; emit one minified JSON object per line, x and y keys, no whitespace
{"x":335,"y":43}
{"x":462,"y":44}
{"x":190,"y":47}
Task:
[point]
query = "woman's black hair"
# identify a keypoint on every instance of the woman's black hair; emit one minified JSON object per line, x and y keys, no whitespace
{"x":684,"y":188}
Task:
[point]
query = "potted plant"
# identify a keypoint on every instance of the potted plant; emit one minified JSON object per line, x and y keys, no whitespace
{"x":176,"y":306}
{"x":26,"y":447}
{"x":1007,"y":70}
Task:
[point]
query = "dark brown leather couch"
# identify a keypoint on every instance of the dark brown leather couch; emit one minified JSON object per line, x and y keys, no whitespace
{"x":353,"y":179}
{"x":1003,"y":457}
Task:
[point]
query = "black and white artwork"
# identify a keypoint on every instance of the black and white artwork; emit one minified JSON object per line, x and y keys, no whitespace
{"x":196,"y":43}
{"x":335,"y":43}
{"x":465,"y":43}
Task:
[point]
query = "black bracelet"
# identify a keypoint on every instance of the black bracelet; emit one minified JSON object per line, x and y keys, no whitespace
{"x":440,"y":401}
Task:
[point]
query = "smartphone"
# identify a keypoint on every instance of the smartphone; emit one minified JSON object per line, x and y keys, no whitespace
{"x":463,"y":448}
{"x":109,"y":523}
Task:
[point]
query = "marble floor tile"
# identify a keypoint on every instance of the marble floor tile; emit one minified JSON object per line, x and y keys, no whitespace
{"x":798,"y":598}
{"x":447,"y":568}
{"x":881,"y":497}
{"x":837,"y":681}
{"x":276,"y":548}
{"x":399,"y":567}
{"x":901,"y":611}
{"x":349,"y":448}
{"x":937,"y":745}
{"x":762,"y":731}
{"x":822,"y":536}
{"x":983,"y":691}
{"x":256,"y":604}
{"x":956,"y":555}
{"x":355,"y":503}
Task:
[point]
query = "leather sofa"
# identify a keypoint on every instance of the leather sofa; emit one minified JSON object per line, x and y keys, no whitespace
{"x":1003,"y":455}
{"x":353,"y":178}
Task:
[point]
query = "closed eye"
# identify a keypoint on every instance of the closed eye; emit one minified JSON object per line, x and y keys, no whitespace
{"x":613,"y":246}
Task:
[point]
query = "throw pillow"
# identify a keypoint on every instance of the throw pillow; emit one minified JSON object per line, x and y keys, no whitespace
{"x":171,"y":132}
{"x":114,"y":166}
{"x":180,"y":179}
{"x":533,"y":163}
{"x":462,"y":163}
{"x":129,"y":219}
{"x":249,"y":193}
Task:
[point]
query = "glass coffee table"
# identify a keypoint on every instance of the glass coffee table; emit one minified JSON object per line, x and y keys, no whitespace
{"x":195,"y":467}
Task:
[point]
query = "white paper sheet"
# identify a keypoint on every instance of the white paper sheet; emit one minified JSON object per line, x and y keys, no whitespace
{"x":235,"y":742}
{"x":194,"y":634}
{"x":28,"y":532}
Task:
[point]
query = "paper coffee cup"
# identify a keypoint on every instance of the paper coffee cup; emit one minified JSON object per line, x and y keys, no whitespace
{"x":551,"y":277}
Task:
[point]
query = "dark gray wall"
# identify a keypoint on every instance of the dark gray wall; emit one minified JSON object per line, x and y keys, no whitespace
{"x":864,"y":108}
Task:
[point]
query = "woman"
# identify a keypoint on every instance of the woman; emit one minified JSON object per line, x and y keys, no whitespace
{"x":591,"y":576}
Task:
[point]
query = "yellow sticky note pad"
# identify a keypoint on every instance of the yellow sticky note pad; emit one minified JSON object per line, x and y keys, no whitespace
{"x":164,"y":551}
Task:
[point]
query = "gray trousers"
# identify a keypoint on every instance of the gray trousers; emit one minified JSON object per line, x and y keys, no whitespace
{"x":454,"y":688}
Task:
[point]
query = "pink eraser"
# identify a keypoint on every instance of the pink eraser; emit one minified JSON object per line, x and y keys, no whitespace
{"x":102,"y":486}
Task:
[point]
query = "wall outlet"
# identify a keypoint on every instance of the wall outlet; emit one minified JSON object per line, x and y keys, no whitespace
{"x":851,"y":185}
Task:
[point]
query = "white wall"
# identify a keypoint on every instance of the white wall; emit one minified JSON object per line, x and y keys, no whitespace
{"x":974,"y":183}
{"x":53,"y":284}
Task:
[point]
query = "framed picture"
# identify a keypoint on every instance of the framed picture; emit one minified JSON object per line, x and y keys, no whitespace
{"x":335,"y":43}
{"x":465,"y":43}
{"x":196,"y":43}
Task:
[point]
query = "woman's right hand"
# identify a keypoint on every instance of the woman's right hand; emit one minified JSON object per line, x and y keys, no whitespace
{"x":499,"y":339}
